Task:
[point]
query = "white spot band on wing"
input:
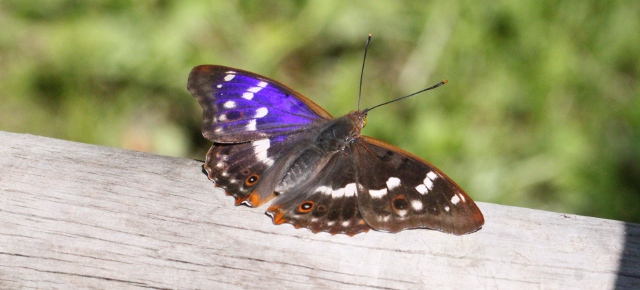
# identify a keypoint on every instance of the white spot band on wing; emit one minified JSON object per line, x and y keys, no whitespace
{"x":350,"y":189}
{"x":378,"y":193}
{"x":416,"y":204}
{"x":324,"y":190}
{"x":260,"y":148}
{"x":455,"y":199}
{"x":251,"y":126}
{"x":393,"y":182}
{"x":429,"y":179}
{"x":247,"y":96}
{"x":422,"y":189}
{"x":261,"y":112}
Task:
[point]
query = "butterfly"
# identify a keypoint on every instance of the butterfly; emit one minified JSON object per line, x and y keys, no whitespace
{"x":270,"y":141}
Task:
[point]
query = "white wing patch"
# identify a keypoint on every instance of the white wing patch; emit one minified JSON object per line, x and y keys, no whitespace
{"x":427,"y":183}
{"x":254,"y":89}
{"x":416,"y":204}
{"x":251,"y":126}
{"x":261,"y":112}
{"x":229,"y":104}
{"x":422,"y":189}
{"x":336,"y":193}
{"x":261,"y":85}
{"x":247,"y":96}
{"x":455,"y":199}
{"x":324,"y":190}
{"x":230,"y":76}
{"x":350,"y":189}
{"x":393,"y":182}
{"x":260,"y":148}
{"x":378,"y":193}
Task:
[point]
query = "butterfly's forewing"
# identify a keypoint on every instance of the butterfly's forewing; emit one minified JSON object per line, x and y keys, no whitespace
{"x":327,"y":202}
{"x":241,"y":106}
{"x":249,"y":117}
{"x":401,"y":191}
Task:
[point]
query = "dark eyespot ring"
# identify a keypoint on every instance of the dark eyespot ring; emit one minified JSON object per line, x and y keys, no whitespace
{"x":251,"y":180}
{"x":321,"y":209}
{"x":234,"y":115}
{"x":399,"y":202}
{"x":306,"y":206}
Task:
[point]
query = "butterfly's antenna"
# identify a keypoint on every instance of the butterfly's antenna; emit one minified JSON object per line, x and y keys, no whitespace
{"x":366,"y":48}
{"x":398,"y":99}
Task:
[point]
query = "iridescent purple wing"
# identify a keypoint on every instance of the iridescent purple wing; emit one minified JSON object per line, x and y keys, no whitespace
{"x":241,"y":106}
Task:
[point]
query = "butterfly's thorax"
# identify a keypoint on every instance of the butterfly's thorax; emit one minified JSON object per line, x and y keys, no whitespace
{"x":338,"y":133}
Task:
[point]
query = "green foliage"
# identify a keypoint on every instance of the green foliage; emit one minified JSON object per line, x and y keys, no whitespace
{"x":542,"y":108}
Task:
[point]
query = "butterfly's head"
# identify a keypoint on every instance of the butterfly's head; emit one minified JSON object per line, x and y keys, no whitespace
{"x":359,"y":118}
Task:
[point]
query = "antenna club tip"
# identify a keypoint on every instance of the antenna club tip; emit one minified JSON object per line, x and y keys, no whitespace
{"x":444,"y":81}
{"x":369,"y":34}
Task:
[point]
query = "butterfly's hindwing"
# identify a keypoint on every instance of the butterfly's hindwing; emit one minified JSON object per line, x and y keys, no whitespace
{"x":400,"y":191}
{"x":241,"y":106}
{"x":248,"y":171}
{"x":327,"y":202}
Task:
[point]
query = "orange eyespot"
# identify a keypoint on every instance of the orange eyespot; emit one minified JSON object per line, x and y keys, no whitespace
{"x":251,"y":180}
{"x":306,"y":206}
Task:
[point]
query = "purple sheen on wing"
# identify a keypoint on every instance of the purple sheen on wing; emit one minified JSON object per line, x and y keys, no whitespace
{"x":245,"y":108}
{"x":263,"y":94}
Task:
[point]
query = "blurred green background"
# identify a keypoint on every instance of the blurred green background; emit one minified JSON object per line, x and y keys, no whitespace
{"x":542,"y":109}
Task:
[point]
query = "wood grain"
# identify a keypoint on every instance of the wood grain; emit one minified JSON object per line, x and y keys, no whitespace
{"x":82,"y":216}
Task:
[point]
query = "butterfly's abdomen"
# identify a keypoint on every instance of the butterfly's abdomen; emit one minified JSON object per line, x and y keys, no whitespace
{"x":302,"y":168}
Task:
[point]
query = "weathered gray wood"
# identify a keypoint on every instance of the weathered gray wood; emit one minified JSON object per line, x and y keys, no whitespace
{"x":82,"y":216}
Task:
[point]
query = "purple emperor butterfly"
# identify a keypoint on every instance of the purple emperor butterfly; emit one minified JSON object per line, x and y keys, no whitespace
{"x":271,"y":141}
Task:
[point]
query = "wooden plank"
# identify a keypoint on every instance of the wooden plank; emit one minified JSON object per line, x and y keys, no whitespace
{"x":82,"y":216}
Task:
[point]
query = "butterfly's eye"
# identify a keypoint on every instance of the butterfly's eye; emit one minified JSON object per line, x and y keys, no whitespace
{"x":306,"y":206}
{"x":251,"y":180}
